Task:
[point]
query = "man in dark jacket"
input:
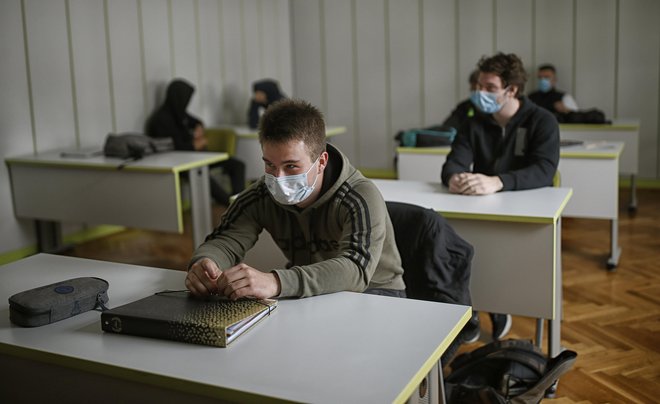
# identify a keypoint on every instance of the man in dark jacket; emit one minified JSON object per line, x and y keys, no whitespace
{"x":464,"y":109}
{"x":187,"y":133}
{"x":510,"y":143}
{"x":547,"y":95}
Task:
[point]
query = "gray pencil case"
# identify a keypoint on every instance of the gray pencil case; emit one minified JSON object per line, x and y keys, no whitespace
{"x":55,"y":302}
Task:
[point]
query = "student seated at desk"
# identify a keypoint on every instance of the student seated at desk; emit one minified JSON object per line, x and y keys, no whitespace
{"x":187,"y":132}
{"x":464,"y":109}
{"x":330,"y":222}
{"x":264,"y":93}
{"x":511,"y":143}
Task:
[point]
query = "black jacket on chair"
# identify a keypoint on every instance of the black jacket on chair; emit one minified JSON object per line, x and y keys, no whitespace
{"x":435,"y":259}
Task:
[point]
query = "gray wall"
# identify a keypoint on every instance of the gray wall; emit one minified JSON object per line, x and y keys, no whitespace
{"x":73,"y":70}
{"x":378,"y":66}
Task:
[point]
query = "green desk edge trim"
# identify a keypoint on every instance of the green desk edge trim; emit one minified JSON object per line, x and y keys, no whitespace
{"x":128,"y":167}
{"x":131,"y":375}
{"x":601,"y":127}
{"x":432,"y":360}
{"x":74,"y":238}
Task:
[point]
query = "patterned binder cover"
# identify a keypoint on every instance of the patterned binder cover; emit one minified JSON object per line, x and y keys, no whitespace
{"x":179,"y":317}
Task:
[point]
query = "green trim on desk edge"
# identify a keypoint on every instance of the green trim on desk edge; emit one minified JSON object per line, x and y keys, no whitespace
{"x":11,"y":256}
{"x":646,"y":183}
{"x":136,"y":376}
{"x":74,"y":238}
{"x":604,"y":127}
{"x":200,"y":163}
{"x":434,"y":359}
{"x":563,"y":206}
{"x":442,"y":151}
{"x":496,"y":218}
{"x":379,"y":173}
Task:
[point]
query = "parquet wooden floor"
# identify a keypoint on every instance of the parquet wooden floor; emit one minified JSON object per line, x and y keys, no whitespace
{"x":612,"y":319}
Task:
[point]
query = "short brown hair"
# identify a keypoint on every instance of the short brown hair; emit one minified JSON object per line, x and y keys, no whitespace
{"x":508,"y":67}
{"x":294,"y":119}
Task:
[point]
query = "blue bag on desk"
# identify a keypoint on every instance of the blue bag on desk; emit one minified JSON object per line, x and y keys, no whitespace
{"x":430,"y":137}
{"x":57,"y":301}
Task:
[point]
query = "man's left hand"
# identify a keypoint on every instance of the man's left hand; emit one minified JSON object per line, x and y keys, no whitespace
{"x":480,"y":184}
{"x":244,"y":281}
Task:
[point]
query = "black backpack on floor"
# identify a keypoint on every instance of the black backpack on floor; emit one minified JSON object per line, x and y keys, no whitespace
{"x":509,"y":371}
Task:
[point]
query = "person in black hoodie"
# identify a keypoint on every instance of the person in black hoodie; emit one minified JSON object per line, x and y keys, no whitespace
{"x":510,"y":142}
{"x":187,"y":133}
{"x":265,"y":92}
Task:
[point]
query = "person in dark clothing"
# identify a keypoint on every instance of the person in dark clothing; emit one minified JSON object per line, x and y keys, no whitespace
{"x":465,"y":109}
{"x":510,"y":143}
{"x":187,"y":133}
{"x":265,"y":92}
{"x":547,"y":95}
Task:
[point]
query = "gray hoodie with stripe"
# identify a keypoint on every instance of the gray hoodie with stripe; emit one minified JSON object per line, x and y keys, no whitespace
{"x":344,"y":241}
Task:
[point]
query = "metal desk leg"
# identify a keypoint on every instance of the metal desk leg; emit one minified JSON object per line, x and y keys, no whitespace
{"x":49,"y":236}
{"x":632,"y":207}
{"x":200,"y":201}
{"x":539,"y":331}
{"x":554,"y":324}
{"x":615,"y":250}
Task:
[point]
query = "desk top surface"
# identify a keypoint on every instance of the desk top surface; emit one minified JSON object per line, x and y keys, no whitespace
{"x":333,"y":348}
{"x":169,"y":161}
{"x":540,"y":205}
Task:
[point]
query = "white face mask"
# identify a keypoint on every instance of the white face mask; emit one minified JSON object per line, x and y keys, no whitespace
{"x":291,"y":189}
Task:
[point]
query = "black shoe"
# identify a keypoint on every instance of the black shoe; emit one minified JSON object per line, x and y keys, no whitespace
{"x":501,"y":325}
{"x":472,"y":329}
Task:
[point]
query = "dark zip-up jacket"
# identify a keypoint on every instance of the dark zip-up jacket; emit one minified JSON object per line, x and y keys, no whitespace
{"x":344,"y":241}
{"x":524,"y":154}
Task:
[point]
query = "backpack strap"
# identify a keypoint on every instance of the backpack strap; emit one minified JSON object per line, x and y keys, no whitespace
{"x":557,"y":366}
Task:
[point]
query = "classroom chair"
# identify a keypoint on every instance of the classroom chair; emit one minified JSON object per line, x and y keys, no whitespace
{"x":435,"y":259}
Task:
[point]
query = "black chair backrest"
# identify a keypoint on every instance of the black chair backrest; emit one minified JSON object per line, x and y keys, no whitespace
{"x":435,"y":259}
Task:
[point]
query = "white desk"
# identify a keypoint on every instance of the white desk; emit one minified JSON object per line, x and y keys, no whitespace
{"x":337,"y":348}
{"x":591,"y":169}
{"x":626,"y":131}
{"x":249,"y":151}
{"x":143,"y":194}
{"x":516,"y":236}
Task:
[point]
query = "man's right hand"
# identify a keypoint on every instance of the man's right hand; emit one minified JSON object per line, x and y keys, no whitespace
{"x":202,"y":278}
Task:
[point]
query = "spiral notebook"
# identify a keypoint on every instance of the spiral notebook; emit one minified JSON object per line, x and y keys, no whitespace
{"x":177,"y":316}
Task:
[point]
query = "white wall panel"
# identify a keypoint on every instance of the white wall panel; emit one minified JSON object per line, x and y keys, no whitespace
{"x":554,"y":42}
{"x":235,"y":94}
{"x":309,"y":48}
{"x":158,"y":69}
{"x":50,"y":72}
{"x":339,"y":48}
{"x":372,"y":129}
{"x":405,"y":75}
{"x":476,"y":37}
{"x":595,"y":62}
{"x":15,"y":126}
{"x":126,"y":69}
{"x":91,"y":71}
{"x":440,"y":73}
{"x":253,"y":41}
{"x":211,"y":77}
{"x":638,"y":76}
{"x":184,"y":41}
{"x":283,"y":58}
{"x":514,"y":32}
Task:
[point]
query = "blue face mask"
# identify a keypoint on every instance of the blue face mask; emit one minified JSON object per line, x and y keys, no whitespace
{"x":486,"y":102}
{"x":545,"y":85}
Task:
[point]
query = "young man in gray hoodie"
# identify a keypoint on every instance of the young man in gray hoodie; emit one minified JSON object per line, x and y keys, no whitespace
{"x":330,"y":221}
